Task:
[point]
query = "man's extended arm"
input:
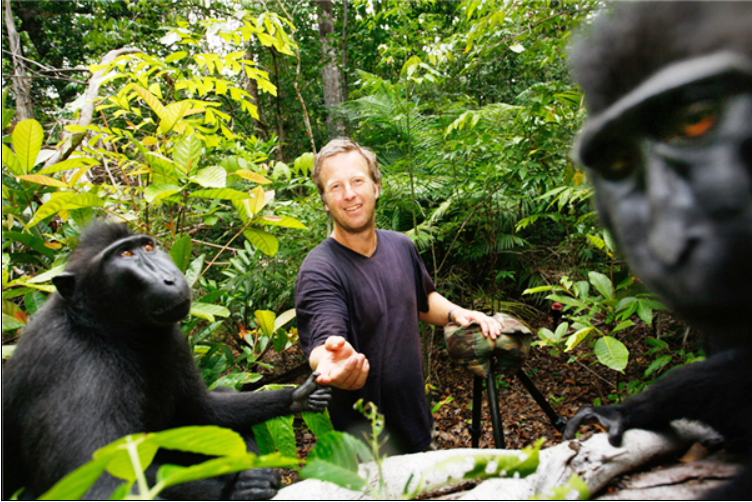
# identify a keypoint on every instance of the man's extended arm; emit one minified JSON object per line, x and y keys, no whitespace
{"x":440,"y":310}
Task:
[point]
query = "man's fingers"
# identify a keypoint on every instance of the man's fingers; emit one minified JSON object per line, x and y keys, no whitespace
{"x":334,"y":343}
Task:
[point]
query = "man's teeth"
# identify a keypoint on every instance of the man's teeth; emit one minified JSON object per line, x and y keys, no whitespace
{"x":353,"y":208}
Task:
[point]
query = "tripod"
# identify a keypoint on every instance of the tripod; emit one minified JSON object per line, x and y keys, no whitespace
{"x":498,"y":431}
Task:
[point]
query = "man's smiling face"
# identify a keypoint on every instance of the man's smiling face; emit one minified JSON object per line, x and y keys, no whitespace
{"x":350,"y":193}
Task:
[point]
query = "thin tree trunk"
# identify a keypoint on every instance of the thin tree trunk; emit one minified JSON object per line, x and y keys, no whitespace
{"x":345,"y":90}
{"x":280,"y":128}
{"x":21,"y":86}
{"x":330,"y":74}
{"x":250,"y":84}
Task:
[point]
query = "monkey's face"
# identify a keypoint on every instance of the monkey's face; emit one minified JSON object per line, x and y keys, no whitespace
{"x":672,"y":167}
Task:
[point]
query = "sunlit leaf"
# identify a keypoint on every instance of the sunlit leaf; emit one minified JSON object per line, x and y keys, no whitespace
{"x":279,"y":221}
{"x":43,"y":180}
{"x":266,"y":242}
{"x":251,"y":176}
{"x":284,"y":318}
{"x":151,"y":100}
{"x":187,"y":153}
{"x":211,"y":177}
{"x":157,"y":191}
{"x":265,"y":320}
{"x":27,"y":138}
{"x":181,"y":252}
{"x":207,"y":311}
{"x":220,"y":193}
{"x":612,"y":353}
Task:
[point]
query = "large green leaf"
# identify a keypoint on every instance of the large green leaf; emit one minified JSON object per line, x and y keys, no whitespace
{"x":157,"y":191}
{"x":319,"y":423}
{"x":281,"y":433}
{"x":612,"y":353}
{"x":265,"y":320}
{"x":211,"y":177}
{"x":174,"y":113}
{"x":578,"y":336}
{"x":251,"y":176}
{"x":220,"y":193}
{"x":10,"y":323}
{"x":206,"y":440}
{"x":187,"y":153}
{"x":335,"y":459}
{"x":279,"y":221}
{"x":266,"y":242}
{"x":602,"y":284}
{"x":284,"y":318}
{"x":71,"y":163}
{"x":154,"y":103}
{"x":11,"y":161}
{"x":119,"y":462}
{"x":164,"y":170}
{"x":56,"y":204}
{"x":75,"y":484}
{"x":207,"y":311}
{"x":181,"y":252}
{"x":27,"y":142}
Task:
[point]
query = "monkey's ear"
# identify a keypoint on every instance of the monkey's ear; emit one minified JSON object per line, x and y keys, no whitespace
{"x":65,"y":282}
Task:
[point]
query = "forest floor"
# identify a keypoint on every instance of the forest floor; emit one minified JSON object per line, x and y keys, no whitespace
{"x":568,"y":386}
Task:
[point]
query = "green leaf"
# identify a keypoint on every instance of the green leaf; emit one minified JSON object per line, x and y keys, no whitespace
{"x":207,"y":311}
{"x":612,"y":353}
{"x":27,"y":142}
{"x":33,"y":301}
{"x":266,"y":242}
{"x":281,"y":433}
{"x":265,"y":320}
{"x":540,"y":289}
{"x":157,"y":191}
{"x":119,"y":462}
{"x":657,"y":365}
{"x":284,"y":318}
{"x":181,"y":252}
{"x":187,"y":153}
{"x":304,"y":164}
{"x":279,"y":221}
{"x":645,"y":312}
{"x":81,"y":200}
{"x":68,"y":164}
{"x":602,"y":284}
{"x":567,"y":300}
{"x":154,"y":103}
{"x":211,"y":177}
{"x":251,"y":176}
{"x":622,"y":325}
{"x":53,"y":206}
{"x":75,"y":484}
{"x":164,"y":170}
{"x":334,"y":458}
{"x":221,"y":194}
{"x":174,"y":113}
{"x":11,"y":161}
{"x":206,"y":440}
{"x":10,"y":323}
{"x":319,"y":423}
{"x":578,"y":337}
{"x":194,"y":270}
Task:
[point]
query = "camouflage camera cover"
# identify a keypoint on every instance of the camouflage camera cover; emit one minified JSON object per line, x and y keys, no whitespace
{"x":471,"y":350}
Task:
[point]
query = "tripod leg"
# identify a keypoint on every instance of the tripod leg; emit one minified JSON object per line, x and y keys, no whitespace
{"x":475,"y":427}
{"x":493,"y":404}
{"x":557,"y":421}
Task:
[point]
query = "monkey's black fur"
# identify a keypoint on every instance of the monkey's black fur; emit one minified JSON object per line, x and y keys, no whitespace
{"x":669,"y":147}
{"x":105,"y":358}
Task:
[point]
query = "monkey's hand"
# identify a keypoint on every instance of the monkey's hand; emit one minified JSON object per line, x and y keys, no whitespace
{"x":608,"y":417}
{"x":255,"y":484}
{"x":311,"y":396}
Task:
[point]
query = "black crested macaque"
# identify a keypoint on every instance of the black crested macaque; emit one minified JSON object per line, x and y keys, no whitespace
{"x":668,"y":87}
{"x":105,"y":358}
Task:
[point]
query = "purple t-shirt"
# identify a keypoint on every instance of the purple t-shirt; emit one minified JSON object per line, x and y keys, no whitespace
{"x":374,"y":303}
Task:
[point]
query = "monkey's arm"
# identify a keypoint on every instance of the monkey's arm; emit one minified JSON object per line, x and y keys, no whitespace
{"x":240,"y":410}
{"x":692,"y":392}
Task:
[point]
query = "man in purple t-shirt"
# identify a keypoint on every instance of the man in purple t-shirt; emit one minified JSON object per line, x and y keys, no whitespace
{"x":359,"y":296}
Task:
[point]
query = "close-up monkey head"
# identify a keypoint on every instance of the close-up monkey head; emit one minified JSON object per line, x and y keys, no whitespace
{"x":669,"y":147}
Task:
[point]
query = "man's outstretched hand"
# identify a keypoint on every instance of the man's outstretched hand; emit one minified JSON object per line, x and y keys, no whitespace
{"x":339,"y":364}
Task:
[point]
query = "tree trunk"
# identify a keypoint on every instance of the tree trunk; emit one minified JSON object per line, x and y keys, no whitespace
{"x":21,"y":85}
{"x":250,"y":84}
{"x":330,"y":74}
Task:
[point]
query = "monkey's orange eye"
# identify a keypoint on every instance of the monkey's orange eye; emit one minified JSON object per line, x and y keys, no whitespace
{"x":694,"y":121}
{"x":126,"y":253}
{"x":148,"y":247}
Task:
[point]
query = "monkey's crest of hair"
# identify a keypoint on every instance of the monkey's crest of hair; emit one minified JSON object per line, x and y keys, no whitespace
{"x":96,"y":237}
{"x":639,"y":38}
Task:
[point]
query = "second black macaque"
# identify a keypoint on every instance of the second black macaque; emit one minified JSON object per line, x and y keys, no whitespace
{"x":105,"y":358}
{"x":669,"y":148}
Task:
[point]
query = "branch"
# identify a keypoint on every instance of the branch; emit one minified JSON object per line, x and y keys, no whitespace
{"x":21,"y":87}
{"x":71,"y":141}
